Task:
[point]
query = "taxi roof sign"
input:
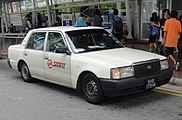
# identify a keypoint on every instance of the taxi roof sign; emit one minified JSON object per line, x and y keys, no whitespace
{"x":80,"y":24}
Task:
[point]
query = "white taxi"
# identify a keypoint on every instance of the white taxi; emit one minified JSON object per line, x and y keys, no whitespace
{"x":88,"y":59}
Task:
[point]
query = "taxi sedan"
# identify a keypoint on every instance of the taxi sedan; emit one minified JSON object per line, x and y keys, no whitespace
{"x":88,"y":59}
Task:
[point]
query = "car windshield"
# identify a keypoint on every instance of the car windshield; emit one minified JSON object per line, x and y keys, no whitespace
{"x":92,"y":40}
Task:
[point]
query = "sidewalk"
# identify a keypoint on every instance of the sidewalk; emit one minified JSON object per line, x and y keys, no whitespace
{"x":176,"y":80}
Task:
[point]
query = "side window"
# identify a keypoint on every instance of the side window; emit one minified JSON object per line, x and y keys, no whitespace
{"x":55,"y":40}
{"x":36,"y":41}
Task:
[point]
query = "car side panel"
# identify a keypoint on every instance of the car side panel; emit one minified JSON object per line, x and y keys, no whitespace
{"x":15,"y":54}
{"x":79,"y":65}
{"x":34,"y":60}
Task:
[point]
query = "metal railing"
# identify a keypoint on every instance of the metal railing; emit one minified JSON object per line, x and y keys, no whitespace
{"x":7,"y":39}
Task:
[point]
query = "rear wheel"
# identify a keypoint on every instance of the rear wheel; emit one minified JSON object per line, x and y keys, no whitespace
{"x":25,"y":73}
{"x":91,"y":88}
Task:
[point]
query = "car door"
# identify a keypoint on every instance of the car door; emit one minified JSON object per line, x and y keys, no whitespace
{"x":57,"y":65}
{"x":33,"y":54}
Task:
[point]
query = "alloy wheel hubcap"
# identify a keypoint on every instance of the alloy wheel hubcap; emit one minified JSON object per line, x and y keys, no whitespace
{"x":91,"y":89}
{"x":25,"y":72}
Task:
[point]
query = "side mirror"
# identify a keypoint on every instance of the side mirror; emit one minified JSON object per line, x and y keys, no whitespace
{"x":63,"y":50}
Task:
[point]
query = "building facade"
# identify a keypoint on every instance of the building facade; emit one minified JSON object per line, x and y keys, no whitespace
{"x":135,"y":13}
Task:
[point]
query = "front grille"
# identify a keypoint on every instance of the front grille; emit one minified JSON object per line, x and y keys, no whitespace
{"x":147,"y":67}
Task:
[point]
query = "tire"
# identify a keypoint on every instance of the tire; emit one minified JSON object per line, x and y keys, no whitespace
{"x":91,"y":89}
{"x":25,"y":73}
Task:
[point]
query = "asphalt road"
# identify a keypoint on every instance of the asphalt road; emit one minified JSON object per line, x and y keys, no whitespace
{"x":45,"y":101}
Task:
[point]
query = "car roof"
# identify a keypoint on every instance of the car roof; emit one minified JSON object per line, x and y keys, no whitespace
{"x":65,"y":28}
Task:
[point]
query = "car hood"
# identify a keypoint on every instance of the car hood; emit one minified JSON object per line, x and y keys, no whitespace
{"x":121,"y":56}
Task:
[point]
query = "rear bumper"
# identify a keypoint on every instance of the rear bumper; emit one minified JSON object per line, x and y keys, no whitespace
{"x":132,"y":85}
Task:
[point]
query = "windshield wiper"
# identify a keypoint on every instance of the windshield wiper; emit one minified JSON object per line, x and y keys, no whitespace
{"x":99,"y":48}
{"x":93,"y":49}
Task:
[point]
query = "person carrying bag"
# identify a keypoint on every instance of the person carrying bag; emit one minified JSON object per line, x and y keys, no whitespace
{"x":117,"y":25}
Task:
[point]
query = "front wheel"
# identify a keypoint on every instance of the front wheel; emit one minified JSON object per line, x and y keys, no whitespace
{"x":25,"y":73}
{"x":91,"y":88}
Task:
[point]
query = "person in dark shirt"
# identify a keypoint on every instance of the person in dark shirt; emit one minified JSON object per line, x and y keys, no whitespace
{"x":180,"y":19}
{"x":156,"y":24}
{"x":156,"y":19}
{"x":39,"y":22}
{"x":117,"y":25}
{"x":165,"y":16}
{"x":152,"y":38}
{"x":97,"y":19}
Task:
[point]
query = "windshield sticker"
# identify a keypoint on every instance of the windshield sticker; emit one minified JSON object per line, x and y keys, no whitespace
{"x":56,"y":64}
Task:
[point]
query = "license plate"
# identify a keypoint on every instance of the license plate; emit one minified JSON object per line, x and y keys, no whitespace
{"x":150,"y":84}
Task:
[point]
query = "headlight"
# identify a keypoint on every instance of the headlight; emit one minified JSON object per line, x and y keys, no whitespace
{"x":118,"y":73}
{"x":164,"y":64}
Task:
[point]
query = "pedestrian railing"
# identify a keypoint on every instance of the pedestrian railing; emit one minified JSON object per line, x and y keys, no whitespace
{"x":7,"y":39}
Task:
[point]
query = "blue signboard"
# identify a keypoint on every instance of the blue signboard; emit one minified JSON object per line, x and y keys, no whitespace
{"x":107,"y":25}
{"x":67,"y":23}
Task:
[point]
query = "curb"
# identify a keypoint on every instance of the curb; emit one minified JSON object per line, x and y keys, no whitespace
{"x":174,"y":83}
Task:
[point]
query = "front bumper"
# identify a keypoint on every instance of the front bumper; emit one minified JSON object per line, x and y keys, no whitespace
{"x":113,"y":88}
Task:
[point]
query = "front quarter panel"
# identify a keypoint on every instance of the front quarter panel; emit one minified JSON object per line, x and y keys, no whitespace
{"x":80,"y":64}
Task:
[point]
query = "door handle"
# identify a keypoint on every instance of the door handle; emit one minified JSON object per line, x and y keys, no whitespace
{"x":25,"y":54}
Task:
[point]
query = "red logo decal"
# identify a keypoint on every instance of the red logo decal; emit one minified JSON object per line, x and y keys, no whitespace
{"x":59,"y":64}
{"x":49,"y":64}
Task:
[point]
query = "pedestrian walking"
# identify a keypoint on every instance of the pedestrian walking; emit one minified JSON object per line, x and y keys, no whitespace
{"x":165,"y":16}
{"x":117,"y":25}
{"x":157,"y":24}
{"x":153,"y":33}
{"x":172,"y":28}
{"x":39,"y":21}
{"x":180,"y":37}
{"x":97,"y":19}
{"x":28,"y":19}
{"x":88,"y":20}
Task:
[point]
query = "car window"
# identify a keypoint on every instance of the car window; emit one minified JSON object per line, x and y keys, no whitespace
{"x":92,"y":40}
{"x":36,"y":41}
{"x":54,"y":41}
